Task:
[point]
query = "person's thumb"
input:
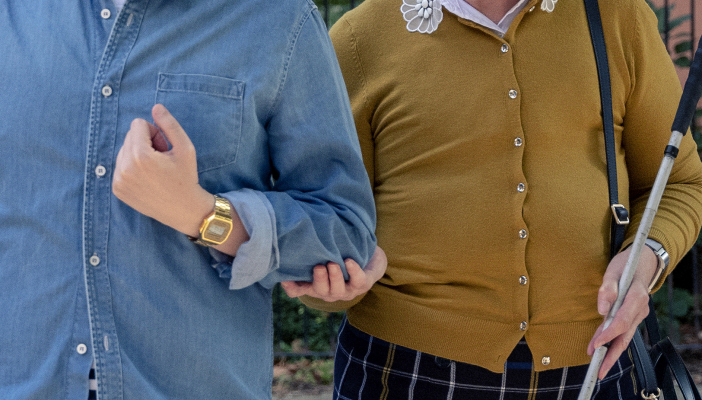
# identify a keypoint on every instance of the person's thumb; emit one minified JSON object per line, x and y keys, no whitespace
{"x":377,"y":264}
{"x":170,"y":127}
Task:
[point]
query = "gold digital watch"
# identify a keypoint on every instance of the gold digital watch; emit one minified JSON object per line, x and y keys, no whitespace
{"x":216,"y":227}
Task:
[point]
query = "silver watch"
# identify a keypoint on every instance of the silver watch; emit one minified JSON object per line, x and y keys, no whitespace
{"x":663,"y":260}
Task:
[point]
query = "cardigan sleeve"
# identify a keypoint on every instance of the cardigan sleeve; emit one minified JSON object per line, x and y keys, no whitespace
{"x":347,"y":52}
{"x":650,"y":108}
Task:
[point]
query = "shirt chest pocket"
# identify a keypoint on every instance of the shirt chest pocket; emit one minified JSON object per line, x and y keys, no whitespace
{"x":209,"y":108}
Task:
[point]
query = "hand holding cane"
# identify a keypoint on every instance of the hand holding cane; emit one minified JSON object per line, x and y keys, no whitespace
{"x":683,"y":118}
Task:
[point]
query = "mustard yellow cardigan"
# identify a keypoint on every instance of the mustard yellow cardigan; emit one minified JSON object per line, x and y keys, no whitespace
{"x":486,"y":156}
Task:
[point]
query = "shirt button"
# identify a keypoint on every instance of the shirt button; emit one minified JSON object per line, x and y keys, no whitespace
{"x":523,"y":325}
{"x":105,"y":13}
{"x":546,"y":360}
{"x":504,"y":48}
{"x":523,"y":280}
{"x":82,"y":349}
{"x":522,"y":233}
{"x":94,"y":260}
{"x":512,"y":94}
{"x":100,"y":171}
{"x":521,"y":187}
{"x":518,"y":142}
{"x":106,"y":91}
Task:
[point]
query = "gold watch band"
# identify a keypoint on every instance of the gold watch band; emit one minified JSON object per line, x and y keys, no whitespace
{"x":217,"y":226}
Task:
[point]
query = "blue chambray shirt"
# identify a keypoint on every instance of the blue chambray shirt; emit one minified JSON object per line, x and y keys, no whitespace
{"x":256,"y":86}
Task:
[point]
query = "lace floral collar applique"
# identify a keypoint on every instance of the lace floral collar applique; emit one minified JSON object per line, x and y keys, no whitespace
{"x":548,"y":5}
{"x":424,"y":16}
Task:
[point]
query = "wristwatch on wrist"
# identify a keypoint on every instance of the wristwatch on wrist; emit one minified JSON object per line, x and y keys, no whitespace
{"x":663,"y":261}
{"x":217,"y":226}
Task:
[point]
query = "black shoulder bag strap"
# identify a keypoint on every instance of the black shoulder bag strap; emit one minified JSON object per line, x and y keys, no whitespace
{"x":620,"y":216}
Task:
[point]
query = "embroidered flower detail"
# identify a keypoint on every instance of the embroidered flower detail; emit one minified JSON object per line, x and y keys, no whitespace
{"x":548,"y":5}
{"x":422,"y":16}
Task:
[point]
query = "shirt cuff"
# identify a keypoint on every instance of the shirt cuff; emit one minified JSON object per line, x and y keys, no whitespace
{"x":258,"y":256}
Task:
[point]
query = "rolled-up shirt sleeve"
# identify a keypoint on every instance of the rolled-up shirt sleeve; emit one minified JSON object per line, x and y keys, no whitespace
{"x":321,"y":207}
{"x":257,"y":256}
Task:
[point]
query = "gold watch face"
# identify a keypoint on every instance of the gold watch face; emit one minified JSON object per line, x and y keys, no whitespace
{"x":217,"y":231}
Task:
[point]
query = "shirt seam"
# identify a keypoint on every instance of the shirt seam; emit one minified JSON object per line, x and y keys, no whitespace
{"x":288,"y":57}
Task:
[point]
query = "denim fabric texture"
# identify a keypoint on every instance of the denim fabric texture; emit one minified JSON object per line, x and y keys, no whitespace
{"x":83,"y":276}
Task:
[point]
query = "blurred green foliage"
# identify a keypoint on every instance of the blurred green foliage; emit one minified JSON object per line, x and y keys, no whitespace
{"x":681,"y":309}
{"x":299,"y":329}
{"x":332,"y":10}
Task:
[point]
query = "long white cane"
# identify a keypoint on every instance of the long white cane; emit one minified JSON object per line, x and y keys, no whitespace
{"x":683,"y":119}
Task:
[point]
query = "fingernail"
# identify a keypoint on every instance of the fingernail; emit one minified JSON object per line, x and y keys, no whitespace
{"x":161,"y":111}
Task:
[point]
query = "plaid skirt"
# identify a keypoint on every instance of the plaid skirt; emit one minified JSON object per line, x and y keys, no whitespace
{"x":367,"y":368}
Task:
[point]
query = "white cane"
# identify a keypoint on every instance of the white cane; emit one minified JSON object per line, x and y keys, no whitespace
{"x":683,"y":119}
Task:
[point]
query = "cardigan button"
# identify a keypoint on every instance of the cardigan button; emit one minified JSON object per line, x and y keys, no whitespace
{"x":504,"y":48}
{"x":518,"y":142}
{"x":512,"y":94}
{"x":523,"y":280}
{"x":522,"y":233}
{"x":546,"y":360}
{"x":523,"y":326}
{"x":521,"y":188}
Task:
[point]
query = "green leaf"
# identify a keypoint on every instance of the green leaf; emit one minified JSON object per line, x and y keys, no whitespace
{"x":674,"y":23}
{"x":682,"y":62}
{"x":683,"y":46}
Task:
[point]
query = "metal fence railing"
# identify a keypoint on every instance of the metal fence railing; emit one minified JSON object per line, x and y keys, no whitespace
{"x":300,"y":331}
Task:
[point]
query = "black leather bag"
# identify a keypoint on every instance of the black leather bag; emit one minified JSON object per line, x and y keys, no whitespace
{"x":658,"y":366}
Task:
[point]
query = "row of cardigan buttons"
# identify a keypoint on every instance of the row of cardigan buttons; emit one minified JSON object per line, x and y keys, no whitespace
{"x":518,"y":142}
{"x":521,"y":187}
{"x":512,"y":93}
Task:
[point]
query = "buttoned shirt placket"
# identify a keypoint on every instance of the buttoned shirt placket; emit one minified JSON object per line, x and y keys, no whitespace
{"x":119,"y":32}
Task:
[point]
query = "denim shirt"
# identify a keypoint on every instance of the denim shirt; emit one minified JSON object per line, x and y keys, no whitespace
{"x":83,"y":276}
